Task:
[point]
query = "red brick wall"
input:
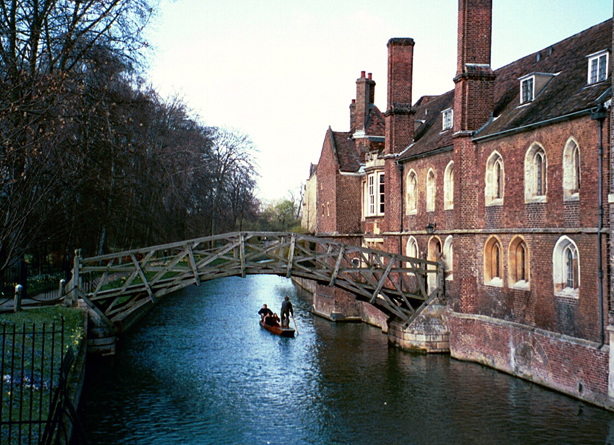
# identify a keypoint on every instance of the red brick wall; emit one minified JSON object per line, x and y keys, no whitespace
{"x":327,"y":187}
{"x":572,"y":366}
{"x":443,"y":218}
{"x":474,"y":32}
{"x":540,"y":225}
{"x":348,"y":211}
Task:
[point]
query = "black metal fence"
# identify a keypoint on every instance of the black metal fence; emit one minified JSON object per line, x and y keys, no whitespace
{"x":39,"y":280}
{"x":34,"y":371}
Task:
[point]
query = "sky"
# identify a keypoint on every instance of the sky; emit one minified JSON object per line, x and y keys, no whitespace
{"x":283,"y":71}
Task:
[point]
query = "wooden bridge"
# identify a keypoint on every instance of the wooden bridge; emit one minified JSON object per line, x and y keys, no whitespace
{"x":115,"y":285}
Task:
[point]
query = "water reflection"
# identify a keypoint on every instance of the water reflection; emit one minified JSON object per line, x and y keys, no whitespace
{"x":200,"y":370}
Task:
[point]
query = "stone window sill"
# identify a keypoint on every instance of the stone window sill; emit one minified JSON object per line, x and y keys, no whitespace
{"x":532,"y":199}
{"x":521,"y":285}
{"x":568,"y":293}
{"x":573,"y":197}
{"x":495,"y":282}
{"x":494,"y":202}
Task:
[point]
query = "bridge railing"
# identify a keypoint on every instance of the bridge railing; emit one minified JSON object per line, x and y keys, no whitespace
{"x":116,"y":284}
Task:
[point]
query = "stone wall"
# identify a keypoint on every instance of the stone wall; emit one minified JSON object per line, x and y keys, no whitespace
{"x":570,"y":365}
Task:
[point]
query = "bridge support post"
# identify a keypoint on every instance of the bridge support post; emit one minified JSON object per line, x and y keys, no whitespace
{"x":18,"y":295}
{"x":73,"y":295}
{"x":428,"y":333}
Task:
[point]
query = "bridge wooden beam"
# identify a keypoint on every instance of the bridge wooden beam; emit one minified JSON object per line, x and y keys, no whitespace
{"x":383,"y":278}
{"x":291,"y":256}
{"x":242,"y":254}
{"x":143,"y":277}
{"x":335,"y":273}
{"x":192,"y":262}
{"x":95,"y":308}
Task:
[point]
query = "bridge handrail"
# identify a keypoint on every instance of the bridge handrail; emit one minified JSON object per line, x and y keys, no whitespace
{"x":204,"y":239}
{"x":395,"y":283}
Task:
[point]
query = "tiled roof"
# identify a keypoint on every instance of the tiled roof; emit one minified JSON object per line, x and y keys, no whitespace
{"x":566,"y":93}
{"x":376,"y":124}
{"x":346,"y":151}
{"x":429,"y":135}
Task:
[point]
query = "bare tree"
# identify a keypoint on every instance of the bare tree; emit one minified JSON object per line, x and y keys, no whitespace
{"x":48,"y":52}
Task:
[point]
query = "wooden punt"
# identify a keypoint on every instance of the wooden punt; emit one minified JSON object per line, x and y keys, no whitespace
{"x":278,"y":330}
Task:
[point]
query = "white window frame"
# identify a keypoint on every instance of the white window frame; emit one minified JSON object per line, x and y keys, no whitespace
{"x":447,"y":118}
{"x":598,"y":64}
{"x":571,"y":170}
{"x":534,"y":190}
{"x":448,"y":257}
{"x":448,"y":187}
{"x":431,"y":190}
{"x":412,"y":193}
{"x":375,"y":196}
{"x":527,"y":95}
{"x":560,"y":268}
{"x":494,"y":182}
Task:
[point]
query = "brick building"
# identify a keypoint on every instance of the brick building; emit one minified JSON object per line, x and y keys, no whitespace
{"x":507,"y":178}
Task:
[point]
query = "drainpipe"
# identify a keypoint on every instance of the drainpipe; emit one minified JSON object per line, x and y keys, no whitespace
{"x":599,"y":114}
{"x":401,"y":167}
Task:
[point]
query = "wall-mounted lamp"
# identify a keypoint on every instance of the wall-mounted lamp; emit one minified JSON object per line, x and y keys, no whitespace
{"x":430,"y":228}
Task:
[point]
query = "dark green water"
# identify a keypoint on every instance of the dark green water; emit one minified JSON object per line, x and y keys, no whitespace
{"x":200,"y":370}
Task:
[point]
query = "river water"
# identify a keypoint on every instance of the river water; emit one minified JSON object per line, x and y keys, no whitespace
{"x":200,"y":370}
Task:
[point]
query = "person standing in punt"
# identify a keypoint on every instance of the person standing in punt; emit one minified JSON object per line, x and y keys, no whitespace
{"x":286,"y":311}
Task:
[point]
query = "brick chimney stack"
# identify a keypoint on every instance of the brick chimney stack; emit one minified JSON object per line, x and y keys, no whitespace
{"x":399,"y":116}
{"x":399,"y":129}
{"x":365,"y":94}
{"x":473,"y":106}
{"x":474,"y":90}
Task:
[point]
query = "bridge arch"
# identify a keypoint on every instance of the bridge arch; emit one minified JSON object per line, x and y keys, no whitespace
{"x":117,"y":284}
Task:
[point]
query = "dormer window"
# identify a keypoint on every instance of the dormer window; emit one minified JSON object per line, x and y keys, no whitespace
{"x":532,"y":84}
{"x":526,"y":88}
{"x":598,"y":67}
{"x":448,"y":119}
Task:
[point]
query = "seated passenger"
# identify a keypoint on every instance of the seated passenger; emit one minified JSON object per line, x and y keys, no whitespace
{"x":265,"y":312}
{"x":272,"y":320}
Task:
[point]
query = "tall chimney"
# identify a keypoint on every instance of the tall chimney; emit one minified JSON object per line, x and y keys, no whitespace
{"x":399,"y":116}
{"x":365,"y":93}
{"x":473,"y":106}
{"x":474,"y":90}
{"x":399,"y":129}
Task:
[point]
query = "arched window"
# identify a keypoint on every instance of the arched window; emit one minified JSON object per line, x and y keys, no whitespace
{"x":571,"y":171}
{"x":411,"y":193}
{"x":434,"y":253}
{"x":535,"y":174}
{"x":495,"y":180}
{"x":430,"y":191}
{"x":519,"y":263}
{"x":566,"y":268}
{"x":448,"y":257}
{"x":411,"y":249}
{"x":448,"y":187}
{"x":493,"y":265}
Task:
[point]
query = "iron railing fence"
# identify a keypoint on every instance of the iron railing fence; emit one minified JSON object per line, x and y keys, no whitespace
{"x":31,"y":368}
{"x":40,"y":282}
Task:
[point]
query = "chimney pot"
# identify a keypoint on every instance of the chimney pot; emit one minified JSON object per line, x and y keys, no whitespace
{"x":370,"y":76}
{"x":362,"y":74}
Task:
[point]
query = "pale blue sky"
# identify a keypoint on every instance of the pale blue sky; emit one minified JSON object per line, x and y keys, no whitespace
{"x":282,"y":71}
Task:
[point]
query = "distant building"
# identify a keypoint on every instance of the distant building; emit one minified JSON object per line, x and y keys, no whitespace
{"x":512,"y":171}
{"x":309,"y":210}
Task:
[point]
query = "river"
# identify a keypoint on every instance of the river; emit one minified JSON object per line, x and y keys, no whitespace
{"x":198,"y":369}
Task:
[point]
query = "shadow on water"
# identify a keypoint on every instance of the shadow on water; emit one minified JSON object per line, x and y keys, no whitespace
{"x":200,"y":370}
